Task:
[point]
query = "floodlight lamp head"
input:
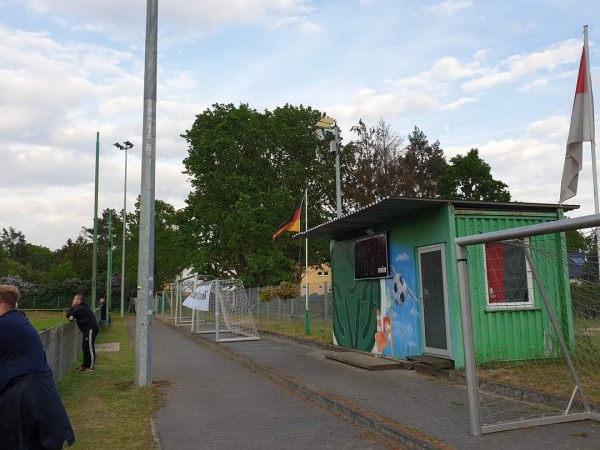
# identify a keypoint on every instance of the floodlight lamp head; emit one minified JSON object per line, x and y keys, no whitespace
{"x":326,"y":123}
{"x":128,"y":144}
{"x":119,"y":146}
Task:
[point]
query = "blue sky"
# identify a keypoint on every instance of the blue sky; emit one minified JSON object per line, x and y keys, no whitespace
{"x":496,"y":75}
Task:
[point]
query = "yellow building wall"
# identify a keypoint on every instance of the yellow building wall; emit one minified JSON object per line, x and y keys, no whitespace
{"x":319,"y":280}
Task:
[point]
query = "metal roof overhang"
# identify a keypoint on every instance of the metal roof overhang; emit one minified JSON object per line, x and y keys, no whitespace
{"x":393,"y":208}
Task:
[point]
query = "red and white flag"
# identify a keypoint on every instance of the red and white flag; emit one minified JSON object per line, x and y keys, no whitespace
{"x":582,"y":127}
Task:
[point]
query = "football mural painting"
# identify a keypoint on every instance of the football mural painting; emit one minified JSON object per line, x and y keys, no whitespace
{"x":378,"y":316}
{"x":400,"y":308}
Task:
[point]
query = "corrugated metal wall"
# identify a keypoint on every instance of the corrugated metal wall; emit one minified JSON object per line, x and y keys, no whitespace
{"x":522,"y":333}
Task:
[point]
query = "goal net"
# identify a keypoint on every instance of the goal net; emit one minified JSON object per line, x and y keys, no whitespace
{"x":222,"y":307}
{"x":530,"y":301}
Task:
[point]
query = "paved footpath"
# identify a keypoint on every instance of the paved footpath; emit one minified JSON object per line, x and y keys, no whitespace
{"x":213,"y":402}
{"x":229,"y":396}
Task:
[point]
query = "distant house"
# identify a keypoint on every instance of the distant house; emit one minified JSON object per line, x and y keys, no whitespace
{"x":394,"y":273}
{"x":318,"y":279}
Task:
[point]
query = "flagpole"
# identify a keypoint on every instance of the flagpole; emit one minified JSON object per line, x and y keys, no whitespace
{"x":590,"y":112}
{"x":306,"y":311}
{"x":591,"y":116}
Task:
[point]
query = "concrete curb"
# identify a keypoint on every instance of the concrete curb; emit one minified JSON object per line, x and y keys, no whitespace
{"x":156,"y":435}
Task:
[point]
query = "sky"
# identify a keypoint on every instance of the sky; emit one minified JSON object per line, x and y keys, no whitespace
{"x":494,"y":75}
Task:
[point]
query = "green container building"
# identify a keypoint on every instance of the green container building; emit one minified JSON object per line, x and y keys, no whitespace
{"x":395,"y":281}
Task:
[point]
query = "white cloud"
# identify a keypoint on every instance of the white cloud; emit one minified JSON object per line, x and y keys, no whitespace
{"x":184,"y":19}
{"x":70,"y":69}
{"x":517,"y":67}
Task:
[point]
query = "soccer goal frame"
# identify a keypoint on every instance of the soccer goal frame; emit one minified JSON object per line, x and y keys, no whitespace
{"x":184,"y":287}
{"x":469,"y":292}
{"x":228,"y":314}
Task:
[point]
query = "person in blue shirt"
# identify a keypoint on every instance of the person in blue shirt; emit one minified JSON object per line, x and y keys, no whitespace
{"x":32,"y":415}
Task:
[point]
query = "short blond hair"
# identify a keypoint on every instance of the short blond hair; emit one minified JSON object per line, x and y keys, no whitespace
{"x":9,"y":294}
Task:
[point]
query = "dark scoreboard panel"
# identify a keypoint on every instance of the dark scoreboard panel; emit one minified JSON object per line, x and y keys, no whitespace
{"x":371,"y":257}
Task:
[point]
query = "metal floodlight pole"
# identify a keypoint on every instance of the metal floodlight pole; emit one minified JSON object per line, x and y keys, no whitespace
{"x":329,"y":124}
{"x":125,"y":146}
{"x":109,"y":266}
{"x":95,"y":236}
{"x":144,"y":313}
{"x":338,"y":181}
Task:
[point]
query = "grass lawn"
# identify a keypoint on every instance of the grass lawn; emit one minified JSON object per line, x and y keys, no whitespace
{"x":42,"y":320}
{"x":320,"y":330}
{"x":104,"y":407}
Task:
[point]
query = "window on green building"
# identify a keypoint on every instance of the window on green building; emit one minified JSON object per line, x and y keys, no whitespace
{"x":508,"y":275}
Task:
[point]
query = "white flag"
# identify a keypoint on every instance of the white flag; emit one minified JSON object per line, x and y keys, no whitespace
{"x":199,"y":299}
{"x":581,"y":129}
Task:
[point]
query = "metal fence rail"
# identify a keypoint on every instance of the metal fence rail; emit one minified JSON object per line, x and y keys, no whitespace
{"x":61,"y":344}
{"x":320,"y":306}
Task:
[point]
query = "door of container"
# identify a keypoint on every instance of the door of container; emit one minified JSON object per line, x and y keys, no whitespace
{"x":432,"y":279}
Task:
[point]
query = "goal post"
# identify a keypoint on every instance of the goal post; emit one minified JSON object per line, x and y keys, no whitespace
{"x":184,"y":287}
{"x":222,"y":308}
{"x":531,"y":325}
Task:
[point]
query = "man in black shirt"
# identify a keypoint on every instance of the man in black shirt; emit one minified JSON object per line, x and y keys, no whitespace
{"x":88,"y":325}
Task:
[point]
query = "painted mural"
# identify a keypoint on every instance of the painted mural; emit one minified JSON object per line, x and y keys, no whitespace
{"x":399,"y":317}
{"x":379,"y":316}
{"x":355,"y":303}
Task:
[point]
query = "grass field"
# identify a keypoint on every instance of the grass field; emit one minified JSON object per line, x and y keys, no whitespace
{"x":105,"y":408}
{"x":320,"y":330}
{"x":42,"y":320}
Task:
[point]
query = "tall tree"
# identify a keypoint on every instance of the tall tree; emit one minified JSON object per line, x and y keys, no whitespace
{"x":470,"y":178}
{"x":171,"y":251}
{"x":376,"y":158}
{"x":78,"y":254}
{"x":14,"y":244}
{"x":18,"y":257}
{"x":249,"y":171}
{"x":422,"y":166}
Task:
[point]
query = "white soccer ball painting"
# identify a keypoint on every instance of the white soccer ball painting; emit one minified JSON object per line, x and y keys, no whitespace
{"x":399,"y":289}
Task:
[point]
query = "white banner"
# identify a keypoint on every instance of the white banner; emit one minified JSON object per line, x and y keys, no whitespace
{"x":198,"y":299}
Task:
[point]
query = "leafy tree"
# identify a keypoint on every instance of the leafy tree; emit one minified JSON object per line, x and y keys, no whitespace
{"x":249,"y":171}
{"x":171,"y":252}
{"x":577,"y":241}
{"x":285,"y":291}
{"x":422,"y":167}
{"x":40,"y":258}
{"x":469,"y":178}
{"x":14,"y":244}
{"x":18,"y":257}
{"x":61,"y":272}
{"x":78,"y":254}
{"x":376,"y":162}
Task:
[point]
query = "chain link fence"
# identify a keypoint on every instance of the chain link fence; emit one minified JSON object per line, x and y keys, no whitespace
{"x":320,"y":305}
{"x":276,"y":311}
{"x":45,"y":302}
{"x":61,"y":344}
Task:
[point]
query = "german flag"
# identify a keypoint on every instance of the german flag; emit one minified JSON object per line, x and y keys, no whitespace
{"x":292,"y":224}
